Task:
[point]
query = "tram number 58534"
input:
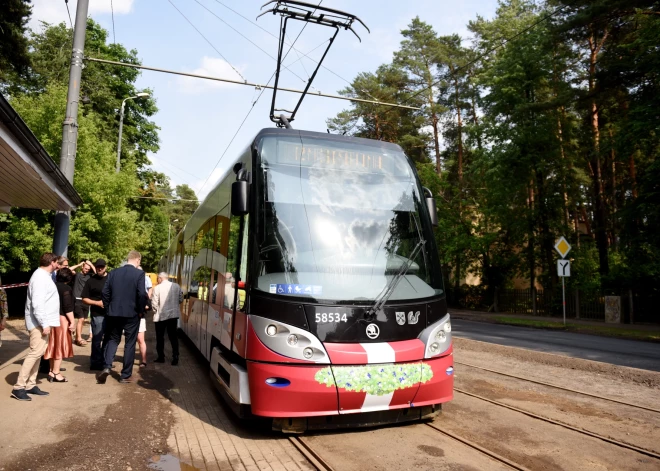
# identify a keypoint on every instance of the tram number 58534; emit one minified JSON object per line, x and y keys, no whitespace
{"x":322,"y":317}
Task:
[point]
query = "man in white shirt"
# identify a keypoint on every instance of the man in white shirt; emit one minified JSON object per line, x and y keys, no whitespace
{"x":167,"y":297}
{"x":42,"y":311}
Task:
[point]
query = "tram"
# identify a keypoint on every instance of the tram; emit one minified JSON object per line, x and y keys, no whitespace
{"x":312,"y":284}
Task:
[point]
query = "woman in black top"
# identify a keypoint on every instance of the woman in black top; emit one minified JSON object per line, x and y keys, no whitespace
{"x":59,"y":342}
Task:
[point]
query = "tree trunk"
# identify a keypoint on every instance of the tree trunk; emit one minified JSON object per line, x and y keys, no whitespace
{"x":434,"y":123}
{"x":587,"y":224}
{"x":563,"y":178}
{"x":633,"y":176}
{"x":460,"y":138}
{"x":600,"y":216}
{"x":530,"y":249}
{"x":475,"y":118}
{"x":546,"y":236}
{"x":613,"y":228}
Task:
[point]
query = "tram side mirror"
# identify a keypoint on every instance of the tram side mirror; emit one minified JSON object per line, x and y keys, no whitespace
{"x":240,"y":193}
{"x":430,"y":204}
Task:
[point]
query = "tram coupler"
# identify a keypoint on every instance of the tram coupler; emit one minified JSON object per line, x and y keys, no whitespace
{"x":290,"y":425}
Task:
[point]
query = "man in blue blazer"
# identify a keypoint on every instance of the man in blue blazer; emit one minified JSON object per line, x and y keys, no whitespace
{"x":125,"y":298}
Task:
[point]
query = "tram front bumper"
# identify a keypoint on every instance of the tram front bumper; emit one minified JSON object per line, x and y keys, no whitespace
{"x":296,"y":391}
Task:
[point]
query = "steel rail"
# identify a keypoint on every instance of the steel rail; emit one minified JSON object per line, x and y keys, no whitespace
{"x":650,"y":409}
{"x":612,"y":441}
{"x":249,"y":84}
{"x":479,"y":448}
{"x":313,"y":457}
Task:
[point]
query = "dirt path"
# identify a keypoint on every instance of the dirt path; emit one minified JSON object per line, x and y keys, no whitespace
{"x":83,"y":425}
{"x":540,"y":445}
{"x":175,"y":410}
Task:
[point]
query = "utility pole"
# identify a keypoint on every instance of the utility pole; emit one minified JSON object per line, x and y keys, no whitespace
{"x":70,"y":125}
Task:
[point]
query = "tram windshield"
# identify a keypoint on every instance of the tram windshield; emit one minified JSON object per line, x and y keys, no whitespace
{"x":339,"y":220}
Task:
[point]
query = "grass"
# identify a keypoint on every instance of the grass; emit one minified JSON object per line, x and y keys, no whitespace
{"x":623,"y":331}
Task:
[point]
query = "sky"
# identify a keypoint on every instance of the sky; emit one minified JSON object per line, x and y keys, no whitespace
{"x":199,"y":118}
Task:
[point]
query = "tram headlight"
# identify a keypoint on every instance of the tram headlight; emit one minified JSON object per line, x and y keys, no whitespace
{"x":437,"y":337}
{"x":288,"y":340}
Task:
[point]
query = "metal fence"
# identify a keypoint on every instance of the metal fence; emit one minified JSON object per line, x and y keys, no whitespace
{"x":579,"y":305}
{"x":590,"y":305}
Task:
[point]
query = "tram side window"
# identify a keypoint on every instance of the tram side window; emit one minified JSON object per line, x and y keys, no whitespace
{"x":219,"y":263}
{"x":201,"y":272}
{"x":186,"y":273}
{"x":232,"y":284}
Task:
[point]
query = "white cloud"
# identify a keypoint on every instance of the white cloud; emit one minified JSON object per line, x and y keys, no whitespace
{"x":213,"y":67}
{"x":121,"y":7}
{"x":54,"y":11}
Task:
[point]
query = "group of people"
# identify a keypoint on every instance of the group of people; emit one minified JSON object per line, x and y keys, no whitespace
{"x":117,"y":302}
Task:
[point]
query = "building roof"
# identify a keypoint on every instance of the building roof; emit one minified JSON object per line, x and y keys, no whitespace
{"x":29,"y":178}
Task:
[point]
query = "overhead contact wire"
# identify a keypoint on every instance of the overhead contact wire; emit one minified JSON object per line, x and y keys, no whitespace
{"x":250,"y":110}
{"x":207,"y":40}
{"x":247,"y":39}
{"x":316,"y":62}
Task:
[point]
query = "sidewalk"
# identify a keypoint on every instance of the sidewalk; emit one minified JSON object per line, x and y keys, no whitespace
{"x":15,"y":340}
{"x":169,"y":418}
{"x":647,"y":332}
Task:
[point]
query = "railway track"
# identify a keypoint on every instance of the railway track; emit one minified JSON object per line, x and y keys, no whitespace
{"x":321,"y":464}
{"x":576,"y":391}
{"x":308,"y":452}
{"x":612,"y":441}
{"x":474,"y":446}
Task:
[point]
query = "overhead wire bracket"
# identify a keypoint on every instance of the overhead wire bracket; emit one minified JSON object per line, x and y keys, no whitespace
{"x":306,"y":12}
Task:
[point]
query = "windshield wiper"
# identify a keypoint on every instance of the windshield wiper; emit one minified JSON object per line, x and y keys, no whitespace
{"x":384,"y":295}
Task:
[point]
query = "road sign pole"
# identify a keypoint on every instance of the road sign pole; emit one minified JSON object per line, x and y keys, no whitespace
{"x":563,"y":297}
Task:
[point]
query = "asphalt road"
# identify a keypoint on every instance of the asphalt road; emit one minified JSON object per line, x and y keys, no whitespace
{"x":636,"y":354}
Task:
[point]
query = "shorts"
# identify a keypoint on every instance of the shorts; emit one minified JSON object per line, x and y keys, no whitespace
{"x":143,"y":325}
{"x":80,"y":310}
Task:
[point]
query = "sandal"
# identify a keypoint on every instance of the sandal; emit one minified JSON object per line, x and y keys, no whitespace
{"x":54,"y":379}
{"x":143,"y":365}
{"x":81,"y":342}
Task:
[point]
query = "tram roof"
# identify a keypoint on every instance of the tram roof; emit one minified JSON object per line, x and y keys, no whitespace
{"x":207,"y":209}
{"x":327,"y":136}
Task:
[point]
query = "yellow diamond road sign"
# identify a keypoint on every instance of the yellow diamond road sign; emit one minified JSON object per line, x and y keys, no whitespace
{"x":562,"y":247}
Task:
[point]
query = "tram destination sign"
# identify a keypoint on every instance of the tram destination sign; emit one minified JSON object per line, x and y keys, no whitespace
{"x":357,"y":158}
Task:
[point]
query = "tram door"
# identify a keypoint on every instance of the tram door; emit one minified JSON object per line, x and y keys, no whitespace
{"x":199,"y":285}
{"x":219,"y":312}
{"x":238,"y":251}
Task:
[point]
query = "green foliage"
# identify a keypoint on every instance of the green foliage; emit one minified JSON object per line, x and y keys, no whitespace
{"x":112,"y":219}
{"x":183,"y":206}
{"x":14,"y":57}
{"x":104,"y":86}
{"x":103,"y":225}
{"x":22,"y":241}
{"x":553,"y":132}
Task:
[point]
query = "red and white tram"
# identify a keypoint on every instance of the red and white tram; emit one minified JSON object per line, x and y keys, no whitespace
{"x":312,"y":284}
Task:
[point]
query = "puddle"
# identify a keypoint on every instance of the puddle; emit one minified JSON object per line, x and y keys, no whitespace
{"x":169,"y":463}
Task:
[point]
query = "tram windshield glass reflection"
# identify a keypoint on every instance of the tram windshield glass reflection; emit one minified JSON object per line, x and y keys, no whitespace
{"x":338,"y":220}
